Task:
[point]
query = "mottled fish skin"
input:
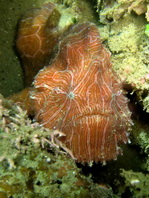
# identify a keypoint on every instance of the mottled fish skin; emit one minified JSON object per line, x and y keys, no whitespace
{"x":81,"y":96}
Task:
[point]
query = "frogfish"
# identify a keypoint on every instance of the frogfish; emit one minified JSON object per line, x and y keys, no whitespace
{"x":77,"y":93}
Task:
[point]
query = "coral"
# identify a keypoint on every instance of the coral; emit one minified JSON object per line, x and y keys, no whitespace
{"x":130,"y":55}
{"x":129,"y":44}
{"x":79,"y":95}
{"x":29,"y":164}
{"x":114,"y":10}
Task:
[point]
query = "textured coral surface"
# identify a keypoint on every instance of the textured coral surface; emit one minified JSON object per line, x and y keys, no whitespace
{"x":126,"y":39}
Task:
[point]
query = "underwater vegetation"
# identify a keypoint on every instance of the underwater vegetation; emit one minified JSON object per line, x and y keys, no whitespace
{"x":125,"y":28}
{"x":31,"y":166}
{"x":136,"y":183}
{"x":33,"y":162}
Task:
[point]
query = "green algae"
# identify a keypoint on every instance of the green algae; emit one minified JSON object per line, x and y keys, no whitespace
{"x":123,"y":26}
{"x":125,"y":42}
{"x":115,"y":9}
{"x":31,"y":166}
{"x":147,"y":29}
{"x":128,"y":43}
{"x":140,"y":137}
{"x":136,"y":184}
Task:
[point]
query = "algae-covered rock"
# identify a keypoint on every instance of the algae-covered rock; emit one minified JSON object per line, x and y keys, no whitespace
{"x":140,"y":139}
{"x":128,"y":43}
{"x":136,"y":184}
{"x":124,"y":24}
{"x":32,"y":165}
{"x":115,"y":9}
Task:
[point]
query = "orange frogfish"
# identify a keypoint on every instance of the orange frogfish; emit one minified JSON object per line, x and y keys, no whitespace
{"x":78,"y":93}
